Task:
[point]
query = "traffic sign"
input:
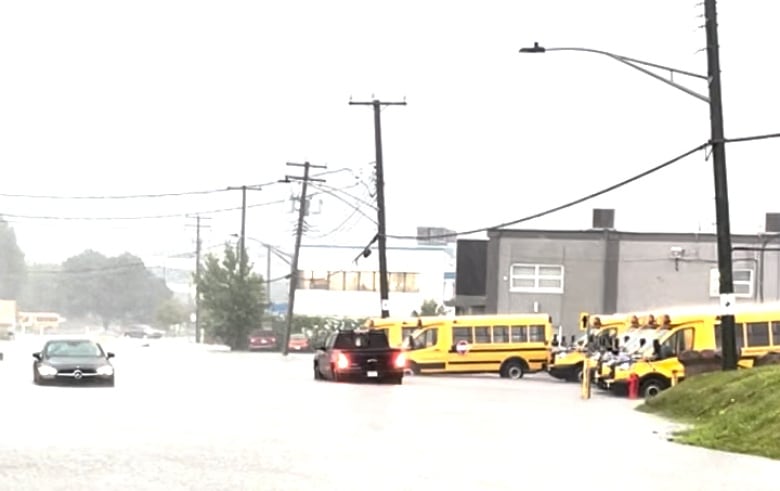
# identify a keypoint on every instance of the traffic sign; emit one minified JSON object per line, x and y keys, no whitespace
{"x":462,"y":347}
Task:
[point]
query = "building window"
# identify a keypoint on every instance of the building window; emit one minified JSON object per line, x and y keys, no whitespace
{"x":403,"y":282}
{"x":536,"y":278}
{"x":351,"y":281}
{"x":743,"y":283}
{"x":367,"y":281}
{"x":336,"y":280}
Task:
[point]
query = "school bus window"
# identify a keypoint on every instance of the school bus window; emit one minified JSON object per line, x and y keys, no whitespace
{"x":407,"y":331}
{"x":757,"y":333}
{"x":776,"y":333}
{"x":739,"y":334}
{"x":536,"y":334}
{"x":482,"y":334}
{"x":686,"y":340}
{"x":461,"y":334}
{"x":519,"y":334}
{"x":501,"y":334}
{"x":430,"y":338}
{"x":717,"y":336}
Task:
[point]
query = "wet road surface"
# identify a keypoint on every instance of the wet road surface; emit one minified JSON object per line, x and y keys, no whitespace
{"x":182,"y":417}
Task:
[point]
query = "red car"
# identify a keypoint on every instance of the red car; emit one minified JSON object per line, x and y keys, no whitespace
{"x":298,"y":342}
{"x":263,"y":340}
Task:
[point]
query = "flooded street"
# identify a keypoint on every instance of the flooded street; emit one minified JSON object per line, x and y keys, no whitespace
{"x":182,"y":417}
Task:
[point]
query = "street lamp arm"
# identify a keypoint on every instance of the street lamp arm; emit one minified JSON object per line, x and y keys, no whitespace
{"x":636,"y":64}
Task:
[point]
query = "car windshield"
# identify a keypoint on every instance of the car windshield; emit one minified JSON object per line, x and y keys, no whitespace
{"x":298,"y":337}
{"x":82,"y":349}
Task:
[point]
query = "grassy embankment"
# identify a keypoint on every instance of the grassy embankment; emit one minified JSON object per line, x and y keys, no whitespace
{"x":736,"y":411}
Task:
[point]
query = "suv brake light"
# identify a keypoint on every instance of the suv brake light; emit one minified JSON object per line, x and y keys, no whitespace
{"x":400,"y":360}
{"x":342,"y":361}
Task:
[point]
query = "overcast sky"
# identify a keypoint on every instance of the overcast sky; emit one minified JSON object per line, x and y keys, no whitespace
{"x":116,"y":98}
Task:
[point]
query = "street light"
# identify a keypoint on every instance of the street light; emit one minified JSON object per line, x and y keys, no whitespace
{"x":635,"y":64}
{"x":717,"y":141}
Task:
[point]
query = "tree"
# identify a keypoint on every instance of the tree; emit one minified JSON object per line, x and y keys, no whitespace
{"x":232,"y":304}
{"x":41,"y":292}
{"x":171,"y":312}
{"x":430,"y":308}
{"x":13,"y":270}
{"x":113,"y":288}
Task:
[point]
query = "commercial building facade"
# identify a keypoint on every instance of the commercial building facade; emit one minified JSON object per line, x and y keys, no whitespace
{"x":603,"y":270}
{"x":340,"y":281}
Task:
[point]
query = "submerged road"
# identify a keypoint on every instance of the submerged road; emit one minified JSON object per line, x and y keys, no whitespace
{"x":185,"y":418}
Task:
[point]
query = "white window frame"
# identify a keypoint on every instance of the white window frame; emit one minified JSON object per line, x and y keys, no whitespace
{"x":536,"y":277}
{"x":715,"y":283}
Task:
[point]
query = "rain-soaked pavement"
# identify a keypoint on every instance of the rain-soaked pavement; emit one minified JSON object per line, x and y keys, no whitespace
{"x":184,"y":418}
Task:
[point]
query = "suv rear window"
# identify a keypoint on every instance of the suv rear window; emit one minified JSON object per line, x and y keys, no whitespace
{"x":371,"y":339}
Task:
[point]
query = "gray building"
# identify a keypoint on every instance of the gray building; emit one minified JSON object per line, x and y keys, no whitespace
{"x":603,"y":270}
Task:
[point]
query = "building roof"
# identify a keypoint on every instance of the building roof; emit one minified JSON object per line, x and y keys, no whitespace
{"x":596,"y":234}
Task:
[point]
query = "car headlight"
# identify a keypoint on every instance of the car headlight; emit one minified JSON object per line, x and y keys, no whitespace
{"x":105,"y":370}
{"x":47,"y":370}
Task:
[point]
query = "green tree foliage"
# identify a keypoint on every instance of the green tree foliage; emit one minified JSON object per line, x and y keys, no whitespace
{"x":430,"y":308}
{"x":231,"y":304}
{"x":12,"y":266}
{"x":113,"y":288}
{"x":171,"y":312}
{"x":41,"y":292}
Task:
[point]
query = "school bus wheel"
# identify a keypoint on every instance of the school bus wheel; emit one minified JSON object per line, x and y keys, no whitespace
{"x":652,"y":386}
{"x":513,"y":368}
{"x":576,"y":374}
{"x":414,"y":368}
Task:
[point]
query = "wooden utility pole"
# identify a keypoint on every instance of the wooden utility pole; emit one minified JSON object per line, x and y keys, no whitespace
{"x":302,"y":210}
{"x":198,"y":245}
{"x":242,"y":238}
{"x":380,"y":201}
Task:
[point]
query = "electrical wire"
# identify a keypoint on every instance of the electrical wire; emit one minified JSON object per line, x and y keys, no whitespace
{"x":342,"y":191}
{"x":766,"y":136}
{"x":565,"y":205}
{"x":146,"y":217}
{"x":343,"y":200}
{"x":130,"y":196}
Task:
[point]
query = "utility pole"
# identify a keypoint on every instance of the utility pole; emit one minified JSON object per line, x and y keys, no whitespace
{"x":727,"y":299}
{"x":380,"y":201}
{"x":242,"y":239}
{"x":268,"y":276}
{"x":198,"y":244}
{"x":298,"y":236}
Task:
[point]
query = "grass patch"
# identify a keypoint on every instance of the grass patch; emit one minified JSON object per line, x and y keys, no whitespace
{"x":736,"y":411}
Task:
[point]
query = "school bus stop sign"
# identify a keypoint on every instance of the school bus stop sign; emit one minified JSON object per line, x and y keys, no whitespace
{"x":462,"y":347}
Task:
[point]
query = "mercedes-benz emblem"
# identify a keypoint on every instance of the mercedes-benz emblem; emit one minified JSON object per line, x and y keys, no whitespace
{"x":77,"y":374}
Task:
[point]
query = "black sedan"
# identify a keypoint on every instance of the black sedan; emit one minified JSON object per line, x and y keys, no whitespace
{"x":73,"y":361}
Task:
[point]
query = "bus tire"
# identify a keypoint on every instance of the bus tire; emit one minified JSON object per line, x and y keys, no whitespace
{"x":414,"y":368}
{"x":576,"y":374}
{"x":652,"y":386}
{"x":514,"y":369}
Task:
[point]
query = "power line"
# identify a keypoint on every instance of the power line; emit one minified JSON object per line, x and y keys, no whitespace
{"x":146,"y":217}
{"x":353,"y":206}
{"x":127,"y":196}
{"x":565,"y":205}
{"x":752,"y":138}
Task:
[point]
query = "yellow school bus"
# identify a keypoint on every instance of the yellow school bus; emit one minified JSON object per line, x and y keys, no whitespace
{"x":510,"y":345}
{"x":757,"y":333}
{"x":568,"y":364}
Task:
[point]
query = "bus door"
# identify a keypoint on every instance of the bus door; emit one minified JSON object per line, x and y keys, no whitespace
{"x":428,"y":351}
